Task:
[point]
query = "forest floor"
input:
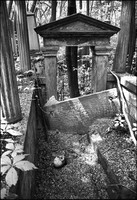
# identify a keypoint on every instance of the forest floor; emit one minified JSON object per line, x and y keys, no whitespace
{"x":83,"y":177}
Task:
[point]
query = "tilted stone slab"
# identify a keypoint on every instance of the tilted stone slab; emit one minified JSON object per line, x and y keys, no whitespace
{"x":77,"y":114}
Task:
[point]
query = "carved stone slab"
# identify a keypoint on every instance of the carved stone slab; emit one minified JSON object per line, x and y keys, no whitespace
{"x":77,"y":114}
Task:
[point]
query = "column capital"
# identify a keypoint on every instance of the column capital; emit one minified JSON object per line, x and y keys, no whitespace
{"x":50,"y":50}
{"x":102,"y":50}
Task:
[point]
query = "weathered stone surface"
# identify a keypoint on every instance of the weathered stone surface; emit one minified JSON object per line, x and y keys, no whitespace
{"x":77,"y":114}
{"x":50,"y":70}
{"x":77,"y":41}
{"x":33,"y":37}
{"x":99,"y":69}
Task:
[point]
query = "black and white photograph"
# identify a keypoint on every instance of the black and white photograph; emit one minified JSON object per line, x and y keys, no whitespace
{"x":68,"y":99}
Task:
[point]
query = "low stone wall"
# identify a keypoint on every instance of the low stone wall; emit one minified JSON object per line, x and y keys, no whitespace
{"x":36,"y":120}
{"x":77,"y":114}
{"x":26,"y":183}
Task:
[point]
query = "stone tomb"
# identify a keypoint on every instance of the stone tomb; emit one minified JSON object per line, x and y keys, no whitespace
{"x":77,"y":30}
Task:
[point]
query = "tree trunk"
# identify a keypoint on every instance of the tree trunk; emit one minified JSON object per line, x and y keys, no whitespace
{"x":22,"y":34}
{"x":71,"y":7}
{"x":80,"y":3}
{"x":75,"y":71}
{"x":88,"y":7}
{"x":70,"y":70}
{"x":119,"y":64}
{"x":86,"y":48}
{"x":53,"y":10}
{"x":11,"y":110}
{"x":71,"y":59}
{"x":132,"y":38}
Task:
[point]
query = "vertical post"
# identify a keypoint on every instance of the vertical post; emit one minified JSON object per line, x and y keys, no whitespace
{"x":11,"y":110}
{"x":22,"y":34}
{"x":99,"y":68}
{"x":33,"y":37}
{"x":50,"y":64}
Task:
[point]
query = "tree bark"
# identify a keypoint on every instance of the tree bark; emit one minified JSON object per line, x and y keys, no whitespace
{"x":119,"y":64}
{"x":71,"y":59}
{"x":132,"y":38}
{"x":75,"y":71}
{"x":11,"y":110}
{"x":71,"y":7}
{"x":69,"y":70}
{"x":22,"y":34}
{"x":53,"y":10}
{"x":71,"y":52}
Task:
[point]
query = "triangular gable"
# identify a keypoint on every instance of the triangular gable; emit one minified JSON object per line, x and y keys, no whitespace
{"x":76,"y":23}
{"x":77,"y":26}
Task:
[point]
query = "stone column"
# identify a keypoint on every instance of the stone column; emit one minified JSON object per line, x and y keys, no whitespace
{"x":99,"y":68}
{"x":50,"y":65}
{"x":11,"y":110}
{"x":33,"y":37}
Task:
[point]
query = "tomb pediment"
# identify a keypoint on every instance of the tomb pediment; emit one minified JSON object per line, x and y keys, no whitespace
{"x":76,"y":25}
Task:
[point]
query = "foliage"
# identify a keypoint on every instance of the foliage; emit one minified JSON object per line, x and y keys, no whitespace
{"x":84,"y":74}
{"x":120,"y":123}
{"x":12,"y":160}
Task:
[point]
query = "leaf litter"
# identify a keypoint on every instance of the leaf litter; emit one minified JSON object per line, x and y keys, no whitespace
{"x":83,"y":177}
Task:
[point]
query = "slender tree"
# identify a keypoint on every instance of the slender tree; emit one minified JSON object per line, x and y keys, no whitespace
{"x":88,"y":7}
{"x":132,"y":38}
{"x":80,"y":4}
{"x":71,"y":59}
{"x":53,"y":10}
{"x":86,"y":48}
{"x":119,"y":64}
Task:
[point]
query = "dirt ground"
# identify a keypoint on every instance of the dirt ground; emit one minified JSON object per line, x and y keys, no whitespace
{"x":82,"y":177}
